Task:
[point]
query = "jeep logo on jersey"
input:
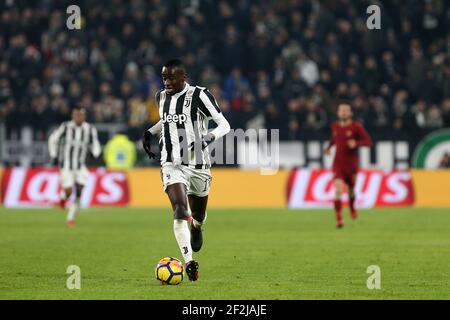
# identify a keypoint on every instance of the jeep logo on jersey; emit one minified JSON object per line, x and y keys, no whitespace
{"x":177,"y":118}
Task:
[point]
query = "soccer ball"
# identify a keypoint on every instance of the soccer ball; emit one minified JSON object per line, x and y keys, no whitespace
{"x":169,"y":271}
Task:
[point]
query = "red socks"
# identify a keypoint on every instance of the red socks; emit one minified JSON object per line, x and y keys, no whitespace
{"x":351,"y":203}
{"x":353,"y":212}
{"x":338,"y":209}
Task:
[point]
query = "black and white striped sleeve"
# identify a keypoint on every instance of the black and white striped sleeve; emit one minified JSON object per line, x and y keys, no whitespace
{"x":211,"y":110}
{"x":53,"y":140}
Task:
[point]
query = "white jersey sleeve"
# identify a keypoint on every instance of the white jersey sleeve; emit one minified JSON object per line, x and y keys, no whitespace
{"x":212,"y":111}
{"x":95,"y":147}
{"x":156,"y":129}
{"x":53,"y":140}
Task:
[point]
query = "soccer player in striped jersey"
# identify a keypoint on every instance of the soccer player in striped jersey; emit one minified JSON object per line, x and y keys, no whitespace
{"x":68,"y":146}
{"x":185,"y":111}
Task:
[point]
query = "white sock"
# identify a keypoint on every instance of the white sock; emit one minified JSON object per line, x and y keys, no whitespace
{"x":72,"y":211}
{"x":183,"y":236}
{"x":198,"y":224}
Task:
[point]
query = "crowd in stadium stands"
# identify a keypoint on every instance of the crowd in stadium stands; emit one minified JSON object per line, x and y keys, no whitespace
{"x":273,"y":64}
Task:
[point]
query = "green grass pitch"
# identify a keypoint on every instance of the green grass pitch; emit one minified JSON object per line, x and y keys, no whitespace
{"x":247,"y":254}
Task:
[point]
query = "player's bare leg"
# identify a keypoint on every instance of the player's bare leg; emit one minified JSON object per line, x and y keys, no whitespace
{"x":338,"y":185}
{"x":73,"y":208}
{"x":351,"y":202}
{"x":178,"y":199}
{"x":199,"y":215}
{"x":64,"y":196}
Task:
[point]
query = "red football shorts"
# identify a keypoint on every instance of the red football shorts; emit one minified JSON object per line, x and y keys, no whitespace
{"x":348,"y":175}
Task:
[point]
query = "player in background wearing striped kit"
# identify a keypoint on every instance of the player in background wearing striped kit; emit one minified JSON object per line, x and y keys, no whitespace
{"x":68,"y":146}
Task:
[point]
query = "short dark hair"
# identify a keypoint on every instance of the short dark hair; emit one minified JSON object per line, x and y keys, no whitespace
{"x":175,"y":63}
{"x":347,"y":102}
{"x":79,"y":108}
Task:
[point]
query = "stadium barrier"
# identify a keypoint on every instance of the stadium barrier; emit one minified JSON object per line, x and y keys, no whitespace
{"x":432,"y":188}
{"x":232,"y":188}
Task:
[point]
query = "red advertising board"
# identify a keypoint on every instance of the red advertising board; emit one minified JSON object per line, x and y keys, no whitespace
{"x":309,"y":188}
{"x":40,"y":187}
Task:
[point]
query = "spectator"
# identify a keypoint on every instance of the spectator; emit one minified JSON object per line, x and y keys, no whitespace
{"x":263,"y":56}
{"x":420,"y":113}
{"x":379,"y":113}
{"x":309,"y":71}
{"x":445,"y":161}
{"x":416,"y":68}
{"x":434,"y":117}
{"x":235,"y":87}
{"x":446,"y":113}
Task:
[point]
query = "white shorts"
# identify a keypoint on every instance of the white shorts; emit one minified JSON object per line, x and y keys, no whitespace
{"x":70,"y":177}
{"x":197,"y":181}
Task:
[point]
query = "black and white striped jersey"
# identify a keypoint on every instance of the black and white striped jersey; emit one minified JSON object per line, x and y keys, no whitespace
{"x":70,"y":144}
{"x":184,"y":121}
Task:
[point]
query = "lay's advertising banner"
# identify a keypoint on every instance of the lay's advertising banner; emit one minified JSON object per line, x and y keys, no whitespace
{"x":40,"y":187}
{"x":374,"y":188}
{"x":232,"y":188}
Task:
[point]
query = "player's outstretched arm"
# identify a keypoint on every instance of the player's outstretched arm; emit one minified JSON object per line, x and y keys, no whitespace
{"x":146,"y":138}
{"x":156,"y":129}
{"x":96,"y":149}
{"x":364,"y":138}
{"x":330,"y":143}
{"x":146,"y":143}
{"x":223,"y":127}
{"x":53,"y":142}
{"x":211,"y":110}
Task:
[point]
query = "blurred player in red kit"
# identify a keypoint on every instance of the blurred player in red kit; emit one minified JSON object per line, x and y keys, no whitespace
{"x":347,"y":135}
